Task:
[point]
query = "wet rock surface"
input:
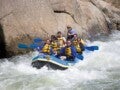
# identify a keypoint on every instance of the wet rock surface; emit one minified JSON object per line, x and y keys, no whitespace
{"x":23,"y":20}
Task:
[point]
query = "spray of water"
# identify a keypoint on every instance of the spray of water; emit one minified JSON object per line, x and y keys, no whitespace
{"x":98,"y":71}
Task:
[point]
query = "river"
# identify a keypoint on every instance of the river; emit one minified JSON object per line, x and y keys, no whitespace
{"x":100,"y":70}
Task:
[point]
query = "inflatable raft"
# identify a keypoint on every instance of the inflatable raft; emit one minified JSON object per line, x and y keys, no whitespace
{"x":52,"y":62}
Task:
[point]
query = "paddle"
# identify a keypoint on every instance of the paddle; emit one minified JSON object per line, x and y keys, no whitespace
{"x":92,"y":48}
{"x":79,"y":56}
{"x":37,"y":40}
{"x":32,"y":46}
{"x":23,"y":46}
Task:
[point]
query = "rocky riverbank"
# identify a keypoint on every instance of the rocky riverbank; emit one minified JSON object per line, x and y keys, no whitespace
{"x":23,"y":20}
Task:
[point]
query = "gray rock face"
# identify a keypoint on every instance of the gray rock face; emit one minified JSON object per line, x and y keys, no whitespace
{"x":111,"y":13}
{"x":115,"y":3}
{"x":23,"y":20}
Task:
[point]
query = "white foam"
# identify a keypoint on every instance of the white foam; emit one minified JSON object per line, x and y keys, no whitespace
{"x":96,"y":66}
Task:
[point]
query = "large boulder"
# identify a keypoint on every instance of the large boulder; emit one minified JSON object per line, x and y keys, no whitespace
{"x":115,"y":3}
{"x":23,"y":20}
{"x":83,"y":16}
{"x":111,"y":13}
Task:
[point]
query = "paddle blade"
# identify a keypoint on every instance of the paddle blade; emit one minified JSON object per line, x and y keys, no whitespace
{"x":92,"y":48}
{"x":95,"y":47}
{"x":33,"y":46}
{"x":89,"y":48}
{"x":23,"y":46}
{"x":79,"y":56}
{"x":37,"y":40}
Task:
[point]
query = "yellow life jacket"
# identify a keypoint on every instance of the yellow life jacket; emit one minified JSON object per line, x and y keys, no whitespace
{"x":82,"y":42}
{"x":68,"y":51}
{"x":77,"y":46}
{"x":61,"y":42}
{"x":54,"y":46}
{"x":46,"y":48}
{"x":75,"y":42}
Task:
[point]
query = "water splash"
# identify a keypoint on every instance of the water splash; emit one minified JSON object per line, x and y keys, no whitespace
{"x":98,"y":71}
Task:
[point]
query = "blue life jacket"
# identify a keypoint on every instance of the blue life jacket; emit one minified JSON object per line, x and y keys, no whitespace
{"x":73,"y":51}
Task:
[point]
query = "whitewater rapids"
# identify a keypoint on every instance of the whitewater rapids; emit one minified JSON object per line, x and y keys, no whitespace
{"x":100,"y":70}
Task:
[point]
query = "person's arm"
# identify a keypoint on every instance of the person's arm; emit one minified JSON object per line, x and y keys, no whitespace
{"x":51,"y":51}
{"x":83,"y":42}
{"x":62,"y":52}
{"x":39,"y":48}
{"x":69,"y":33}
{"x":64,"y":40}
{"x":74,"y":52}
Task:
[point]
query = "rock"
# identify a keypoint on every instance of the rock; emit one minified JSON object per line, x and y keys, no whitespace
{"x":112,"y":14}
{"x":115,"y":3}
{"x":83,"y":16}
{"x":2,"y":44}
{"x":23,"y":20}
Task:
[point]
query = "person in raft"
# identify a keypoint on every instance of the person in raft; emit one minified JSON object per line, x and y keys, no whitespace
{"x":78,"y":43}
{"x":61,"y":40}
{"x":68,"y":51}
{"x":54,"y":44}
{"x":47,"y":48}
{"x":70,"y":33}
